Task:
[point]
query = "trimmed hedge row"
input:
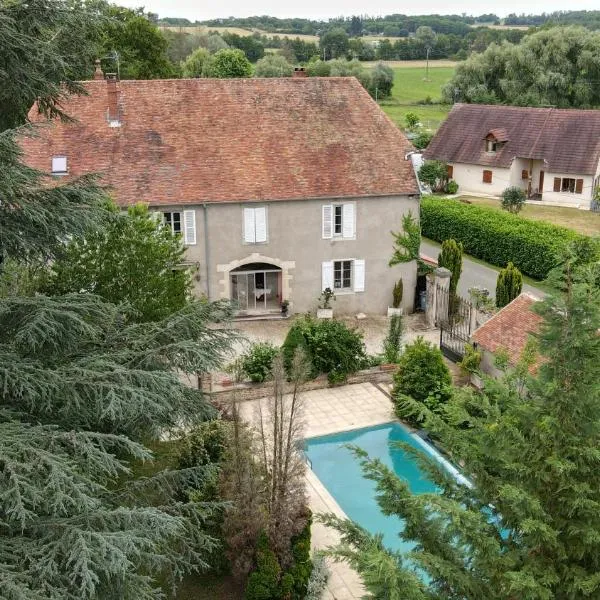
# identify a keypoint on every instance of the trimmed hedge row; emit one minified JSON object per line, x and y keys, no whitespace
{"x":496,"y":236}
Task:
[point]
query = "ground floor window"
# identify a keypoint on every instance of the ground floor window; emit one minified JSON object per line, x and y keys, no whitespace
{"x":568,"y":185}
{"x":342,"y":275}
{"x":487,"y":176}
{"x":256,"y":287}
{"x":173,"y":221}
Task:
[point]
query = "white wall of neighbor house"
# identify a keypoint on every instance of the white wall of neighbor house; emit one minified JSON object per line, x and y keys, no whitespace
{"x":298,"y":242}
{"x":567,"y":198}
{"x":470,"y":179}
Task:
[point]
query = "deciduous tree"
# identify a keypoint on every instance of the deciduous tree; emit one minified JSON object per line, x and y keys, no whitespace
{"x":134,"y":260}
{"x":227,"y":64}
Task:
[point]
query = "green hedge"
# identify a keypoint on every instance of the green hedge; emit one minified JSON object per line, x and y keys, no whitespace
{"x":496,"y":236}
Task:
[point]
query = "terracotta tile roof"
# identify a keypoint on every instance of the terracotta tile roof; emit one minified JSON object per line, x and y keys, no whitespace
{"x":210,"y":140}
{"x":510,"y":328}
{"x":499,"y":134}
{"x":568,"y":140}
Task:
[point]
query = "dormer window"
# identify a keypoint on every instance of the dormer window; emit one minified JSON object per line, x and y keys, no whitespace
{"x":59,"y":165}
{"x":495,"y":140}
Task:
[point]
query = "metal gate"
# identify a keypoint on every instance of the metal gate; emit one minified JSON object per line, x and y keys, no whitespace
{"x":454,"y":321}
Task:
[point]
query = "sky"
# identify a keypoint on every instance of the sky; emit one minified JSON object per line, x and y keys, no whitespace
{"x":317,"y":9}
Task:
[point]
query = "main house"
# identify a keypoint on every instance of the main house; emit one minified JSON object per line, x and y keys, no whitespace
{"x":552,"y":154}
{"x":279,"y":187}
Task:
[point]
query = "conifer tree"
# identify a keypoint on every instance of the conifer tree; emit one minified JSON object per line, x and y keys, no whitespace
{"x":82,"y":387}
{"x":508,"y":285}
{"x":529,"y":524}
{"x":451,"y":258}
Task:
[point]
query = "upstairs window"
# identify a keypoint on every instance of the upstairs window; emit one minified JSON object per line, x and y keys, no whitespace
{"x":173,"y":221}
{"x":339,"y":221}
{"x":491,"y":145}
{"x":59,"y":165}
{"x":255,"y":225}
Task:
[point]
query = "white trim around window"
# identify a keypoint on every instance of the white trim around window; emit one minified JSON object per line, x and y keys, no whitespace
{"x":339,"y":221}
{"x":343,"y":276}
{"x":59,"y":165}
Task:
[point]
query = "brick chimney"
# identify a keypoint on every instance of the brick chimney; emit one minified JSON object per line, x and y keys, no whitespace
{"x":113,"y":114}
{"x":300,"y":72}
{"x":98,"y":74}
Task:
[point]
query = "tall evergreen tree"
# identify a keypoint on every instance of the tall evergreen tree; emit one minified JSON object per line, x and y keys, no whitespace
{"x":451,"y":258}
{"x":508,"y":285}
{"x":529,"y":524}
{"x":82,"y":388}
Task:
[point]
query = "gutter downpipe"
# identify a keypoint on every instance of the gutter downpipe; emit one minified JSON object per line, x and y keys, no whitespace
{"x":206,"y":249}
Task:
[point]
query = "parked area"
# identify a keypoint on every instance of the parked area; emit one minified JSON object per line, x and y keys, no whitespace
{"x":586,"y":222}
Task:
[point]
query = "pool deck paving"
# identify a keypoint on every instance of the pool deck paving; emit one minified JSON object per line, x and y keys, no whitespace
{"x":327,"y":411}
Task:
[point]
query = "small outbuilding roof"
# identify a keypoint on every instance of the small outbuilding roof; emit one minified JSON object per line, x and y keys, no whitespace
{"x":567,"y":140}
{"x":510,"y":328}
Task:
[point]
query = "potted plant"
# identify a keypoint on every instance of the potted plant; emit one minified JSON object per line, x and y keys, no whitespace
{"x":324,"y":311}
{"x":285,"y":304}
{"x":396,"y":308}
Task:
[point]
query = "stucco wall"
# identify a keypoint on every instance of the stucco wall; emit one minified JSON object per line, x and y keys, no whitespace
{"x":470,"y":179}
{"x":582,"y":200}
{"x":296,"y":245}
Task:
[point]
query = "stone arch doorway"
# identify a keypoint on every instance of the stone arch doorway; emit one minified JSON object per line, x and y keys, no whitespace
{"x":256,"y":287}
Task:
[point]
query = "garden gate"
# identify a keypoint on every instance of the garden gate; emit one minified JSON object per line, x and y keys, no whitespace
{"x":454,"y":318}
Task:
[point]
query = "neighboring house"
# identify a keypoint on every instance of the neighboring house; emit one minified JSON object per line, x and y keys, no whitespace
{"x":509,"y":330}
{"x":279,"y":187}
{"x":552,"y":154}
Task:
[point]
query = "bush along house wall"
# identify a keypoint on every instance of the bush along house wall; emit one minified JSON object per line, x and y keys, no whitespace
{"x":496,"y":236}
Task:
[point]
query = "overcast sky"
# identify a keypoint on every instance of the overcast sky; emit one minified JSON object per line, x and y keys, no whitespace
{"x":194,"y":10}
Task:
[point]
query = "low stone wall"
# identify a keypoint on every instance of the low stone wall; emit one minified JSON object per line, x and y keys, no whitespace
{"x":253,"y":391}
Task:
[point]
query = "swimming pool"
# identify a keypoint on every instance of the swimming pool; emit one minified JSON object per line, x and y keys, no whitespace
{"x":340,"y":473}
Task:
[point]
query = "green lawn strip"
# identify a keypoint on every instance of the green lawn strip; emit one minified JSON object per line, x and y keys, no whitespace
{"x":582,"y":221}
{"x":540,"y":285}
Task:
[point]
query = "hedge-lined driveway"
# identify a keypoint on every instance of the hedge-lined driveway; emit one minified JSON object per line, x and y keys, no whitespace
{"x":473,"y":273}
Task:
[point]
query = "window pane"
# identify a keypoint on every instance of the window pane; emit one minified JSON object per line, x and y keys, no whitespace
{"x":176,"y":222}
{"x":337,"y":274}
{"x":337,"y":219}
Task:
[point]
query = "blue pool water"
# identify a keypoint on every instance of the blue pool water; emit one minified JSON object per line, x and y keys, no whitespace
{"x":340,"y":473}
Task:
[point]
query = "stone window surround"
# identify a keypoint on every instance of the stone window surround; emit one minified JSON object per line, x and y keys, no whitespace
{"x":255,"y":257}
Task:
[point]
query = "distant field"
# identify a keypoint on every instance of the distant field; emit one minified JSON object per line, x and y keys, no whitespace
{"x":410,"y":88}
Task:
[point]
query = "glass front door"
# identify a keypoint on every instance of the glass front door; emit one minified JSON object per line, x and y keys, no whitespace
{"x":256,"y":290}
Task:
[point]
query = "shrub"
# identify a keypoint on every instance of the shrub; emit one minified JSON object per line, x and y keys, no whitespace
{"x":508,"y":285}
{"x":203,"y":445}
{"x":411,"y":119}
{"x":435,"y":174}
{"x":302,"y":566}
{"x":329,"y":345}
{"x":471,"y":360}
{"x":495,"y":236}
{"x":273,"y":65}
{"x":318,"y":578}
{"x":422,"y":140}
{"x":257,"y":362}
{"x":264,"y":583}
{"x":398,"y":293}
{"x":393,"y":340}
{"x":451,"y":187}
{"x":513,"y":199}
{"x":421,"y":375}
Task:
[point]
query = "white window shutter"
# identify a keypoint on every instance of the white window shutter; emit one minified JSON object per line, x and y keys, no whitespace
{"x":327,"y":221}
{"x":189,"y":227}
{"x":327,"y":275}
{"x":249,"y":227}
{"x":260,"y":223}
{"x":359,"y":275}
{"x":348,"y":220}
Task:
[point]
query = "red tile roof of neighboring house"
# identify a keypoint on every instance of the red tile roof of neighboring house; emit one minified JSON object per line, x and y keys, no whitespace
{"x":213,"y":140}
{"x":568,"y":140}
{"x":510,"y":329}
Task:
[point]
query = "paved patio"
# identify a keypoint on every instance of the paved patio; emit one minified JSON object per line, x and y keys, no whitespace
{"x":326,"y":411}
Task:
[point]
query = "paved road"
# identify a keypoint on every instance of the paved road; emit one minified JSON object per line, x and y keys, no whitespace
{"x":473,"y":273}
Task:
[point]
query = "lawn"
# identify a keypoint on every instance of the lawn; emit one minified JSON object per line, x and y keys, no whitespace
{"x":411,"y":87}
{"x":583,"y":221}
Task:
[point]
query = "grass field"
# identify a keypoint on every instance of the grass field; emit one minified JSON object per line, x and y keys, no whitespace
{"x":583,"y":221}
{"x":411,"y":87}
